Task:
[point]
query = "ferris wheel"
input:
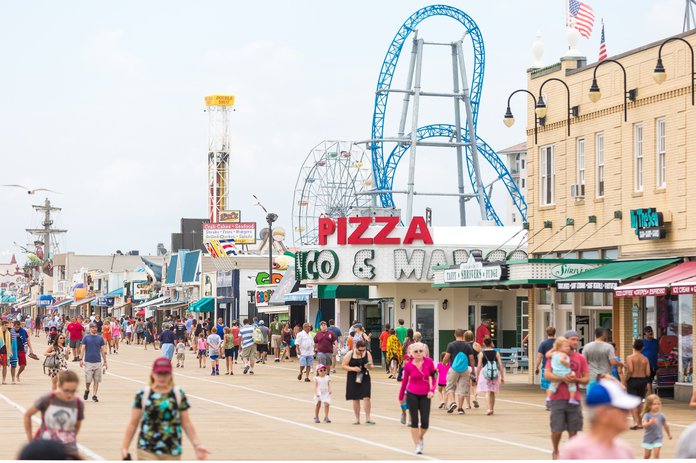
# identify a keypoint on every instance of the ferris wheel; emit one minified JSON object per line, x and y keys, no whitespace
{"x":328,"y":185}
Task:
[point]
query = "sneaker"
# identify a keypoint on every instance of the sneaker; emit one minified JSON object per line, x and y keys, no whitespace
{"x":251,"y":372}
{"x":299,"y":377}
{"x":460,"y":411}
{"x":442,"y":405}
{"x":86,"y":395}
{"x":548,"y":405}
{"x":333,"y":371}
{"x":94,"y":398}
{"x":307,"y":380}
{"x":212,"y":373}
{"x":246,"y":369}
{"x":419,"y":449}
{"x":452,"y":407}
{"x":476,"y":404}
{"x":327,"y":420}
{"x":217,"y":372}
{"x":316,"y":420}
{"x":403,"y":418}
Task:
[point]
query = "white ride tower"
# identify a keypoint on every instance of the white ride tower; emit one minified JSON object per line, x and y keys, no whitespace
{"x":219,"y":109}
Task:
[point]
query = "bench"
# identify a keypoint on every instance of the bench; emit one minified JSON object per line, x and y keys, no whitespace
{"x":513,"y":358}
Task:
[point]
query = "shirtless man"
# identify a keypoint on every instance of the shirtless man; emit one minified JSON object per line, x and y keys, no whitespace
{"x":637,"y":378}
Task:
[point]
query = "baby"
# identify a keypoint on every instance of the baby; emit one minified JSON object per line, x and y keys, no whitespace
{"x":560,"y":365}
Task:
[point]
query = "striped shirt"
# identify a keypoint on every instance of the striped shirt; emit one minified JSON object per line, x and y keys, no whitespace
{"x":247,"y":334}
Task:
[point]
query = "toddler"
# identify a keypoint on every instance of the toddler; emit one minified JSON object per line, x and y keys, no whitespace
{"x":442,"y":370}
{"x":560,"y":365}
{"x":322,"y":393}
{"x":653,"y":422}
{"x":180,"y":353}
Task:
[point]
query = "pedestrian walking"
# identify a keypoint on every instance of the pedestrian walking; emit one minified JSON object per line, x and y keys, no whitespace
{"x":401,"y":331}
{"x":106,"y":334}
{"x":202,"y":350}
{"x":93,"y":353}
{"x":600,"y":355}
{"x":459,"y":355}
{"x":358,"y":363}
{"x":651,"y":348}
{"x":420,"y":380}
{"x":161,"y":412}
{"x":442,"y":370}
{"x":325,"y":342}
{"x":167,"y":340}
{"x":339,"y":341}
{"x":262,"y":347}
{"x":491,"y":374}
{"x":38,"y":326}
{"x":76,"y":330}
{"x":305,"y":347}
{"x":539,"y":364}
{"x":228,"y":346}
{"x":286,"y":334}
{"x":129,"y":332}
{"x":5,"y":350}
{"x":246,"y":334}
{"x":116,"y":333}
{"x":383,"y":339}
{"x":608,"y":405}
{"x":637,"y":378}
{"x":473,"y":390}
{"x":61,"y":414}
{"x":58,"y":353}
{"x":22,"y":341}
{"x":394,"y":353}
{"x":220,"y":325}
{"x":234,"y":331}
{"x":560,"y":363}
{"x":276,"y":338}
{"x":653,"y":423}
{"x":322,"y":393}
{"x":213,"y":342}
{"x":180,"y":353}
{"x":149,"y":333}
{"x":408,"y":340}
{"x":483,"y":331}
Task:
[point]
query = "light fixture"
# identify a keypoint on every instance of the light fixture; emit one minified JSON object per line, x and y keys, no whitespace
{"x":508,"y":119}
{"x":444,"y":304}
{"x":403,"y":304}
{"x":540,"y":108}
{"x":595,"y":94}
{"x":659,"y":74}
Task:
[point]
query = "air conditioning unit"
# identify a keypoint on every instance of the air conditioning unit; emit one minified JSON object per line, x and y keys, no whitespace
{"x":577,"y":191}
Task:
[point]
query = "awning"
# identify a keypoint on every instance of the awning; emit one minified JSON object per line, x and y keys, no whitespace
{"x":687,"y":286}
{"x":658,"y":285}
{"x":172,"y":305}
{"x":206,"y":304}
{"x":273,"y":309}
{"x":61,"y":303}
{"x":24,"y":304}
{"x":343,"y":292}
{"x":609,"y":277}
{"x":158,"y":300}
{"x":84,"y":301}
{"x":302,"y":295}
{"x":115,"y":293}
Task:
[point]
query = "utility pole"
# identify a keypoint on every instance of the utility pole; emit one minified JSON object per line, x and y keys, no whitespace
{"x":47,"y":232}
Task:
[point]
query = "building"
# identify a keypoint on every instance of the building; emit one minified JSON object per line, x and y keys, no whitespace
{"x":190,"y":235}
{"x":517,"y":165}
{"x":613,"y":180}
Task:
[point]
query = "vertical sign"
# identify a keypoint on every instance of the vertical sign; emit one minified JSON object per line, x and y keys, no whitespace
{"x":634,"y":322}
{"x":582,"y":325}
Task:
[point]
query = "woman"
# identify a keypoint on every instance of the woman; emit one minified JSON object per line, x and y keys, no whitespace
{"x":358,"y":363}
{"x":394,"y":353}
{"x":360,"y":336}
{"x":115,"y":334}
{"x":297,"y":328}
{"x":37,"y":326}
{"x":490,"y":376}
{"x":237,"y":340}
{"x":161,"y":411}
{"x":65,"y":411}
{"x":107,"y":335}
{"x":228,"y":341}
{"x":418,"y":338}
{"x":139,"y":331}
{"x":420,"y":380}
{"x":469,"y":339}
{"x":61,"y":351}
{"x":129,"y":332}
{"x":286,"y":336}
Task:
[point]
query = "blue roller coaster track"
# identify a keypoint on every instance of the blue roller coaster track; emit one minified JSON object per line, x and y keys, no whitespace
{"x":384,"y":170}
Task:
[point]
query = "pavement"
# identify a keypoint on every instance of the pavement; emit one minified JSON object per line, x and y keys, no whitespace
{"x":269,"y":416}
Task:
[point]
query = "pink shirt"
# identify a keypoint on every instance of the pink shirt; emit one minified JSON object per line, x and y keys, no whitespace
{"x":585,"y":447}
{"x":578,"y":365}
{"x":417,"y":380}
{"x":442,"y":373}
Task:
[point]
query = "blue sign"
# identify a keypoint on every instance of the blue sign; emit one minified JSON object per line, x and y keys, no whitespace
{"x":44,"y":300}
{"x":648,"y":224}
{"x":104,"y":301}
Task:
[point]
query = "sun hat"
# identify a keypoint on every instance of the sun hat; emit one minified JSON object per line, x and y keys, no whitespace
{"x":320,"y":366}
{"x":162,"y":365}
{"x":609,"y":392}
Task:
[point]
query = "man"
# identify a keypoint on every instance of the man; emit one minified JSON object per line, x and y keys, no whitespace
{"x":636,"y":378}
{"x":565,"y":416}
{"x":339,"y":340}
{"x":650,"y":349}
{"x":276,"y":337}
{"x":21,"y":337}
{"x":401,"y":331}
{"x":544,"y":347}
{"x":305,"y":347}
{"x":325,"y":342}
{"x":383,"y":345}
{"x":167,"y":340}
{"x":150,"y":333}
{"x":263,"y":347}
{"x":458,"y":376}
{"x":246,"y":332}
{"x":220,"y":325}
{"x":600,"y":355}
{"x":5,"y":349}
{"x":76,"y":330}
{"x":483,"y":331}
{"x":180,"y":330}
{"x":93,"y":352}
{"x":608,"y":407}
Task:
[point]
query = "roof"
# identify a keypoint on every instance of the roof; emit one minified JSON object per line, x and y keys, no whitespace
{"x":515,"y":148}
{"x":189,"y":270}
{"x":171,"y":270}
{"x":621,"y":270}
{"x":658,"y":285}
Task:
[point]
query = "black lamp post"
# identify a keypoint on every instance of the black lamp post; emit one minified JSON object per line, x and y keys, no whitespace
{"x":659,"y":74}
{"x":596,"y":94}
{"x":509,"y":119}
{"x":540,"y":107}
{"x":270,"y":218}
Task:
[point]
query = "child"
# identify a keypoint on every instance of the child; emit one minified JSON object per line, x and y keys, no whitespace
{"x":560,"y":365}
{"x":201,"y":350}
{"x":213,"y":344}
{"x":653,"y":422}
{"x":322,"y":393}
{"x":403,"y":404}
{"x":180,"y":354}
{"x":442,"y":370}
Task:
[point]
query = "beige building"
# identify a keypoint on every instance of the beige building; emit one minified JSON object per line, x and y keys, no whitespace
{"x":617,"y":184}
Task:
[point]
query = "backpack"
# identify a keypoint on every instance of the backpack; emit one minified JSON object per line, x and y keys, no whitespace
{"x":146,"y":395}
{"x":490,"y":370}
{"x":460,"y":363}
{"x":257,"y":335}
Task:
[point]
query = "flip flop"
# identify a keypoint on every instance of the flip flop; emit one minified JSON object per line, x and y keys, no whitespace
{"x":636,"y":427}
{"x":356,"y":422}
{"x":370,"y":422}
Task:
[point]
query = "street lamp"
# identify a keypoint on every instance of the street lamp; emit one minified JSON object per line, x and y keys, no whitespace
{"x":595,"y":93}
{"x":659,"y":74}
{"x":509,"y":119}
{"x":270,"y":218}
{"x":540,"y":108}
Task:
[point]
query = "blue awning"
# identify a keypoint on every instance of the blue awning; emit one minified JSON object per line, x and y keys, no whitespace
{"x":115,"y":293}
{"x":61,"y":303}
{"x":303,"y":295}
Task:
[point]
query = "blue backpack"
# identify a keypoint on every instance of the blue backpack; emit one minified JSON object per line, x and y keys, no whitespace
{"x":460,"y":363}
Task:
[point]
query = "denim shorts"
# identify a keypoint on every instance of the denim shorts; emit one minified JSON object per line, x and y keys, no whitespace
{"x":306,"y":360}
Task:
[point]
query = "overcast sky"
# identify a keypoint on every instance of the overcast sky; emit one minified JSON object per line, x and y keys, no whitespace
{"x":103,"y":101}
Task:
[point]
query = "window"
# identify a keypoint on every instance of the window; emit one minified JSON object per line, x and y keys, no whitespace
{"x":548,"y":175}
{"x":589,"y":254}
{"x":523,"y":183}
{"x":638,"y":157}
{"x":567,"y":299}
{"x":581,"y":161}
{"x":611,"y":253}
{"x":661,"y":152}
{"x":545,"y":296}
{"x":523,"y":163}
{"x":599,"y":150}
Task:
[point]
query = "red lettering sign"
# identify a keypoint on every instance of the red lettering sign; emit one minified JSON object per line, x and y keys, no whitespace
{"x":326,"y":227}
{"x":417,"y":231}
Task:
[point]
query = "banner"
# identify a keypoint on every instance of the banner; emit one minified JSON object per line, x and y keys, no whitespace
{"x":240,"y":232}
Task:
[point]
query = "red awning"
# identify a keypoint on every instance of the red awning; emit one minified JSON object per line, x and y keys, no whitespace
{"x":687,"y":286}
{"x":658,"y":285}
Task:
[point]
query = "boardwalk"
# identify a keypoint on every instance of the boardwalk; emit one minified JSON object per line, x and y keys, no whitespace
{"x":269,"y":416}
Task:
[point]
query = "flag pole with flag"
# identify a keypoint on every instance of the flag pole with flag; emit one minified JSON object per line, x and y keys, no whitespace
{"x":581,"y":17}
{"x":602,"y":45}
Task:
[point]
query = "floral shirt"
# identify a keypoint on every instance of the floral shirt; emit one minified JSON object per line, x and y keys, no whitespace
{"x":160,"y":427}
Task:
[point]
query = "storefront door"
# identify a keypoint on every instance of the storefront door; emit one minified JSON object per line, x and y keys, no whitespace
{"x":424,"y":315}
{"x":485,"y":311}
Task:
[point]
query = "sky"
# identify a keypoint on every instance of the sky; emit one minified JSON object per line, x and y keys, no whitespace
{"x":103,"y":102}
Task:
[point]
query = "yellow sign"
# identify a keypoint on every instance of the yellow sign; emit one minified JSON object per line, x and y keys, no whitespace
{"x":219,"y":100}
{"x":229,"y":216}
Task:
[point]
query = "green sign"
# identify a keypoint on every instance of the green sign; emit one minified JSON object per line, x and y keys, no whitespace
{"x":648,"y":224}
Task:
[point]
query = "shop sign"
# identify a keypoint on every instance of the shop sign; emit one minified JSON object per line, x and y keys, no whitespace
{"x":229,"y":216}
{"x":141,"y":291}
{"x":634,"y":322}
{"x":648,"y":224}
{"x":240,"y":232}
{"x":585,"y":286}
{"x":683,"y":289}
{"x":641,"y":292}
{"x":44,"y":300}
{"x":104,"y":301}
{"x":263,"y":296}
{"x":561,"y":271}
{"x":472,"y":270}
{"x":262,"y":279}
{"x":417,"y":231}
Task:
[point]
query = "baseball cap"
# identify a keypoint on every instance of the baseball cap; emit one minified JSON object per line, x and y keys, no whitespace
{"x":609,"y":392}
{"x":571,"y":334}
{"x":162,"y":365}
{"x":92,"y":325}
{"x":261,"y":322}
{"x":320,"y":366}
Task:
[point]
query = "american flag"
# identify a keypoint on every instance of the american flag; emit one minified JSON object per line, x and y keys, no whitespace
{"x":602,"y":45}
{"x":583,"y":15}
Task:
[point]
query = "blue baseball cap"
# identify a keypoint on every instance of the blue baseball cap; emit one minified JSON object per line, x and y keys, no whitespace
{"x":609,"y":392}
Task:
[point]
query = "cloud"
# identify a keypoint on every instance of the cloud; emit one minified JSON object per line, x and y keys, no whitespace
{"x":106,"y":53}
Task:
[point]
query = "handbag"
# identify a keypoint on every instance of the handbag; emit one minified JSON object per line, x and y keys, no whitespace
{"x":51,"y":362}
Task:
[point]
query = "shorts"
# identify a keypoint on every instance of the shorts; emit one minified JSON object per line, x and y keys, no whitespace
{"x":565,"y":416}
{"x":306,"y":360}
{"x":180,"y":357}
{"x":22,"y":358}
{"x":229,"y":352}
{"x":325,"y":358}
{"x":249,"y":353}
{"x":275,"y":341}
{"x":458,"y":383}
{"x":75,"y":343}
{"x":544,"y":384}
{"x":3,"y":360}
{"x":262,"y":348}
{"x":214,"y":357}
{"x":441,"y":385}
{"x":637,"y":386}
{"x":651,"y":445}
{"x":93,"y":372}
{"x":202,"y":352}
